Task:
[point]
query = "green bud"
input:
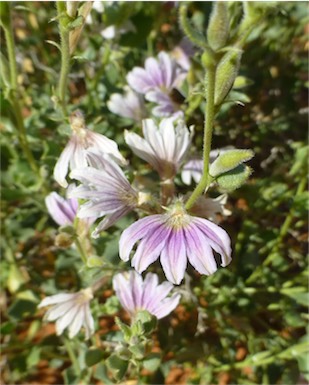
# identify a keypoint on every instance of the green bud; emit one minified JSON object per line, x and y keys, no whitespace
{"x":72,"y":8}
{"x":234,"y":179}
{"x":218,"y":26}
{"x":229,"y":160}
{"x":226,"y":74}
{"x":68,"y":229}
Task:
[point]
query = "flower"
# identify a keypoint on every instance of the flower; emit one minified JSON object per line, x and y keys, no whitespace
{"x":163,"y":147}
{"x":74,"y":153}
{"x":71,"y":310}
{"x":135,"y":294}
{"x":63,"y":211}
{"x":157,"y":81}
{"x":107,"y":190}
{"x":175,"y":236}
{"x":182,"y":53}
{"x":131,"y":105}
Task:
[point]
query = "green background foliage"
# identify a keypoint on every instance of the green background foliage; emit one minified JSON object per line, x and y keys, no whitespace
{"x":246,"y":324}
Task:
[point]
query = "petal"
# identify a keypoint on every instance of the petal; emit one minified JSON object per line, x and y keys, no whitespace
{"x":154,"y":138}
{"x":136,"y":286}
{"x":109,"y":220}
{"x":57,"y":298}
{"x":150,"y":248}
{"x":77,"y":323}
{"x":167,"y":131}
{"x":139,"y":80}
{"x":105,"y":145}
{"x":154,"y":72}
{"x":167,"y":306}
{"x":60,"y":209}
{"x":62,"y":165}
{"x":121,"y":285}
{"x":98,"y":209}
{"x":219,"y":237}
{"x":141,"y":148}
{"x":88,"y":321}
{"x":58,"y":311}
{"x":173,"y":257}
{"x":135,"y":232}
{"x":153,"y":297}
{"x":199,"y":252}
{"x":66,"y":320}
{"x":167,"y":68}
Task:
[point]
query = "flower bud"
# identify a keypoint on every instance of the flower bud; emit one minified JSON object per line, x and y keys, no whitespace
{"x":218,"y":26}
{"x":234,"y":179}
{"x":226,"y":74}
{"x":72,"y":8}
{"x":229,"y":160}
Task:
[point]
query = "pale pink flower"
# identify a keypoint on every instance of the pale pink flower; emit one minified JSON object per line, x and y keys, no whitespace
{"x":74,"y":154}
{"x":70,"y":310}
{"x":176,"y":237}
{"x":130,"y":105}
{"x":136,"y":294}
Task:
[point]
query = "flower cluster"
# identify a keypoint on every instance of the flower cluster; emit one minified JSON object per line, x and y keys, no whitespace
{"x":166,"y":229}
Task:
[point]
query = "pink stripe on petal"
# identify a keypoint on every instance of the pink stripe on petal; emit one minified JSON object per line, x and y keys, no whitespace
{"x":109,"y":220}
{"x":173,"y":257}
{"x":150,"y":247}
{"x":135,"y":232}
{"x":154,"y":300}
{"x":121,"y":286}
{"x":199,"y":252}
{"x":136,"y":283}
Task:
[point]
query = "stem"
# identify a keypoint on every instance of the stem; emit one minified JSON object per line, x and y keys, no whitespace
{"x":167,"y":191}
{"x":210,"y":80}
{"x":65,"y":56}
{"x":13,"y":96}
{"x":81,"y":250}
{"x":72,"y":356}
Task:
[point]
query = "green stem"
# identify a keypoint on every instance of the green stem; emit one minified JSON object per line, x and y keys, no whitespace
{"x":208,"y":127}
{"x":13,"y":96}
{"x":72,"y":355}
{"x":65,"y":56}
{"x":81,"y":250}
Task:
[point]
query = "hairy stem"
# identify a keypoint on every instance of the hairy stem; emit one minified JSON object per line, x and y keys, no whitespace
{"x":65,"y":56}
{"x":210,"y":80}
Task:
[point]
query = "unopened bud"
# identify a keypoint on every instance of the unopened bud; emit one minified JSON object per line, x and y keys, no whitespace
{"x":72,"y":8}
{"x":234,"y":179}
{"x":226,"y":74}
{"x":218,"y":26}
{"x":229,"y":160}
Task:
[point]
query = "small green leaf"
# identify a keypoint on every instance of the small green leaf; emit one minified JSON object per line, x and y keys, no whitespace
{"x":93,"y":356}
{"x":152,"y":362}
{"x":229,"y":160}
{"x":138,"y":351}
{"x":117,"y":366}
{"x":234,"y":179}
{"x":21,"y":308}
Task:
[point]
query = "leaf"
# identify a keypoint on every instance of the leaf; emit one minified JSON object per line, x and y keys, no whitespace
{"x":117,"y":366}
{"x":21,"y":308}
{"x":53,"y":43}
{"x":152,"y":362}
{"x":93,"y":356}
{"x":234,"y":179}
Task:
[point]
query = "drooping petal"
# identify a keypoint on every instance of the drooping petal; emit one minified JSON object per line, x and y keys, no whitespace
{"x":55,"y":299}
{"x":218,"y":236}
{"x":63,"y":322}
{"x":62,"y":165}
{"x":150,"y":248}
{"x":109,"y":220}
{"x":60,"y":209}
{"x":88,"y":321}
{"x":136,"y":232}
{"x":173,"y":257}
{"x":199,"y":252}
{"x":167,"y":306}
{"x":77,"y":323}
{"x":59,"y":310}
{"x":141,"y":148}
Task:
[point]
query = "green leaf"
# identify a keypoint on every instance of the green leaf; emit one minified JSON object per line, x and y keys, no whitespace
{"x":234,"y":179}
{"x":22,"y":308}
{"x":229,"y":160}
{"x":117,"y":366}
{"x":138,"y":350}
{"x":93,"y":356}
{"x":152,"y":362}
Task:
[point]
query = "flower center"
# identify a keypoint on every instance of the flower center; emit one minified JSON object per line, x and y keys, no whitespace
{"x":177,"y":216}
{"x":85,"y":295}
